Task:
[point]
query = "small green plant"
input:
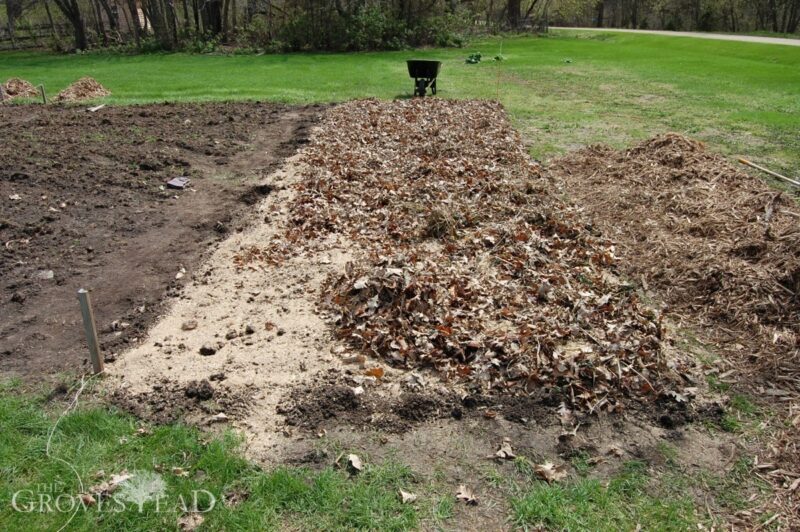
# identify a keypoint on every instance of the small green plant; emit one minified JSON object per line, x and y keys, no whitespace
{"x":717,"y":385}
{"x":668,"y":452}
{"x":730,"y":423}
{"x":474,"y":58}
{"x":580,"y":461}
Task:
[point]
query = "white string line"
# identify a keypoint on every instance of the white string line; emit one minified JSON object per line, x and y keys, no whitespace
{"x":69,"y":408}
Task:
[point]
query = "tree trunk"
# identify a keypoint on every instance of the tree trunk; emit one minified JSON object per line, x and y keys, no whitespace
{"x":72,"y":12}
{"x":50,"y":19}
{"x":600,"y":7}
{"x":185,"y":16}
{"x":133,"y":14}
{"x":13,"y":12}
{"x":512,"y":13}
{"x":196,"y":12}
{"x":98,"y":22}
{"x":110,"y":15}
{"x":226,"y":4}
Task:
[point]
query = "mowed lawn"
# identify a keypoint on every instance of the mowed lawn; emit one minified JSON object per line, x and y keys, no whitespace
{"x":563,"y":91}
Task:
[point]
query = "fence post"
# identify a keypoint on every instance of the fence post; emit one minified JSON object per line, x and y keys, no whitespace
{"x":90,"y":330}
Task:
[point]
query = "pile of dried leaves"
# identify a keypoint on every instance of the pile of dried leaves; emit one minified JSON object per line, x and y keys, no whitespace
{"x":712,"y":240}
{"x":471,"y":265}
{"x":19,"y":88}
{"x":83,"y":89}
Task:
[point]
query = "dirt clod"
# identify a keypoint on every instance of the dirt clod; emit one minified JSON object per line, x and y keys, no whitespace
{"x":200,"y":390}
{"x":207,"y":350}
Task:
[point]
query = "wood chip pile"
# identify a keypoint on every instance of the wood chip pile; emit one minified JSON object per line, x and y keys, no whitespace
{"x":712,"y":239}
{"x":83,"y":89}
{"x":472,"y":265}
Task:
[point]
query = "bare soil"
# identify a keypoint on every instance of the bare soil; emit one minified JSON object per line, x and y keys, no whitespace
{"x":84,"y":204}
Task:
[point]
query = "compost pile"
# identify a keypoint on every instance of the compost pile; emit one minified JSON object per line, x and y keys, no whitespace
{"x":83,"y":89}
{"x":711,"y":239}
{"x":19,"y":88}
{"x":471,"y":265}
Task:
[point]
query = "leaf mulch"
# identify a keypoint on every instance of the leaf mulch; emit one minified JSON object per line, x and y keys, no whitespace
{"x":471,"y":265}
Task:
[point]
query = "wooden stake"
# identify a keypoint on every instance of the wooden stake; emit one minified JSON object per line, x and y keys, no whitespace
{"x":2,"y":93}
{"x":44,"y":96}
{"x":770,"y":172}
{"x":91,"y":330}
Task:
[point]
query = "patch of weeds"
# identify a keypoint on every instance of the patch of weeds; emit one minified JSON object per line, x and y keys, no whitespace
{"x":443,"y":509}
{"x":625,"y":503}
{"x":492,"y":476}
{"x":717,"y":385}
{"x":524,"y":467}
{"x":668,"y":452}
{"x":733,"y":491}
{"x":742,"y":404}
{"x":740,"y":410}
{"x":580,"y":461}
{"x":730,"y":423}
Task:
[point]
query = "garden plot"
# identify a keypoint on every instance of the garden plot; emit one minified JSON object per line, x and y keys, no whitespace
{"x":411,"y":266}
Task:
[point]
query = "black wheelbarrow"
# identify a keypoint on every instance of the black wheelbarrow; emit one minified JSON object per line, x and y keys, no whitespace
{"x":424,"y":74}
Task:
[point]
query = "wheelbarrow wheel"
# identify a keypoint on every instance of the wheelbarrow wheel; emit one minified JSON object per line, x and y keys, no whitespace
{"x":420,"y":89}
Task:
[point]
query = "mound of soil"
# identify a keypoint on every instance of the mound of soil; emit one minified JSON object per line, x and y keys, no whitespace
{"x":19,"y":88}
{"x":712,"y":240}
{"x":83,"y":89}
{"x":473,"y":266}
{"x":197,"y":402}
{"x":85,"y":204}
{"x":333,"y":401}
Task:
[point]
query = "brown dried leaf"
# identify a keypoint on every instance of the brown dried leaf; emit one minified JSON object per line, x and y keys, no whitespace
{"x":505,"y":452}
{"x":407,"y":497}
{"x":376,"y":372}
{"x":467,"y":495}
{"x":550,"y":472}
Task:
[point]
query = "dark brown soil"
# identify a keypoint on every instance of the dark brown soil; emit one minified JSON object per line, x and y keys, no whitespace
{"x":331,"y":401}
{"x":196,"y":402}
{"x":85,"y":204}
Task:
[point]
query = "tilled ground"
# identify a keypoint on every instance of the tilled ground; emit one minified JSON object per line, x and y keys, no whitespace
{"x":84,"y":204}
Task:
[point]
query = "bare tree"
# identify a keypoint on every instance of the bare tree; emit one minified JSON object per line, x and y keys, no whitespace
{"x":72,"y":11}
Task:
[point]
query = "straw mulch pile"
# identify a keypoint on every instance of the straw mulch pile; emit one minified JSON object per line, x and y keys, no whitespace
{"x":471,"y":265}
{"x":19,"y":88}
{"x":83,"y":89}
{"x":721,"y":247}
{"x":714,"y":241}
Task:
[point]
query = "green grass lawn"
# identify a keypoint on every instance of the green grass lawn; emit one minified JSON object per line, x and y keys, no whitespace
{"x":563,"y":91}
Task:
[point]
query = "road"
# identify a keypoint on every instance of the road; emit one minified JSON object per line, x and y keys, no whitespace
{"x":714,"y":36}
